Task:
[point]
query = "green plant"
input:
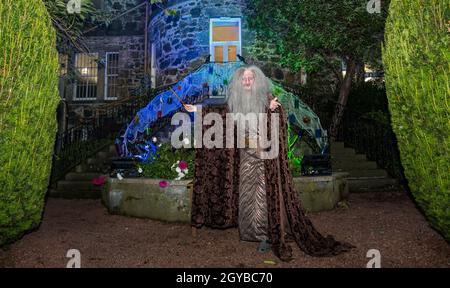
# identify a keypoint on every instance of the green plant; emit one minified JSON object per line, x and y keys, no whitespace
{"x":312,"y":34}
{"x":69,"y":27}
{"x":162,"y":167}
{"x":417,"y":64}
{"x":367,"y":97}
{"x":28,"y":101}
{"x":295,"y":162}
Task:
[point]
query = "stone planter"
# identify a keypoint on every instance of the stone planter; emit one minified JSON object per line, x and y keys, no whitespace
{"x":142,"y":197}
{"x":320,"y":193}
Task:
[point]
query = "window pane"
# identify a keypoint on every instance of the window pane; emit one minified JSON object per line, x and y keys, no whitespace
{"x":112,"y":75}
{"x":218,"y":54}
{"x":232,"y":51}
{"x":86,"y":85}
{"x":225,"y":33}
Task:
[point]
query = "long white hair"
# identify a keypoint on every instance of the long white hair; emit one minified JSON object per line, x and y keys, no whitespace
{"x":244,"y":101}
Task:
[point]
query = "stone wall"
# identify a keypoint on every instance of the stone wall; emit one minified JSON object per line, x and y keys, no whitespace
{"x":132,"y":23}
{"x":182,"y":40}
{"x":131,"y":56}
{"x":125,"y":35}
{"x":144,"y":198}
{"x":131,"y":70}
{"x":263,"y":55}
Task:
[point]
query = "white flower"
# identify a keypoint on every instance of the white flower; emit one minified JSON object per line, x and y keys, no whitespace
{"x":140,"y":170}
{"x":119,"y":176}
{"x":180,"y":175}
{"x":186,"y":141}
{"x":178,"y":169}
{"x":159,"y":145}
{"x":154,"y":139}
{"x":185,"y":171}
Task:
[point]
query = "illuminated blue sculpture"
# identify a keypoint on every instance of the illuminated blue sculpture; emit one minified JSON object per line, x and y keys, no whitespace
{"x":214,"y":77}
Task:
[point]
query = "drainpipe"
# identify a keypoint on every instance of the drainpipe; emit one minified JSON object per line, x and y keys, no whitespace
{"x":146,"y":39}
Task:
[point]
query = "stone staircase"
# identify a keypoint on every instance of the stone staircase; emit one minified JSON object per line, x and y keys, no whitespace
{"x":77,"y":184}
{"x":364,"y":176}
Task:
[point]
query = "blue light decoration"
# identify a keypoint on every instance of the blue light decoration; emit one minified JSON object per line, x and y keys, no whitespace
{"x":318,"y":133}
{"x":196,"y":84}
{"x":134,"y":143}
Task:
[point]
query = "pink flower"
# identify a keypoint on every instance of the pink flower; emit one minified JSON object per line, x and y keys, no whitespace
{"x":183,"y":165}
{"x":98,"y":181}
{"x":163,"y":184}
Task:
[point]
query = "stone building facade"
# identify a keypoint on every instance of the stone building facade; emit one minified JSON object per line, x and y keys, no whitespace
{"x":184,"y":40}
{"x":111,"y":68}
{"x":176,"y":43}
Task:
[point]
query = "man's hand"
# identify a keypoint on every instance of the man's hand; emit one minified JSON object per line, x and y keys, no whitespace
{"x":190,"y":108}
{"x":274,"y":104}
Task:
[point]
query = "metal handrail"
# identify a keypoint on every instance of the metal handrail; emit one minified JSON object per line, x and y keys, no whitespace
{"x":373,"y":138}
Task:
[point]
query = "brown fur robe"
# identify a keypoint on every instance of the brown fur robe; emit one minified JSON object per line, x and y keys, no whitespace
{"x":216,"y":194}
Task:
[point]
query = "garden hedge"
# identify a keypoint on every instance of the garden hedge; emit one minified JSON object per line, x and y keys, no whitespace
{"x":416,"y":58}
{"x":28,"y":98}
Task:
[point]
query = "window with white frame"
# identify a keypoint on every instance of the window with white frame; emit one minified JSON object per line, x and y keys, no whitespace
{"x":112,"y":76}
{"x":85,"y":87}
{"x":225,"y":39}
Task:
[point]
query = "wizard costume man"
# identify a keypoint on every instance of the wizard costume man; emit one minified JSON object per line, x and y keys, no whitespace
{"x":237,"y":187}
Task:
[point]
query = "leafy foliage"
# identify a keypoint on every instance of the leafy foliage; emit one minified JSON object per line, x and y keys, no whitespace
{"x":312,"y":34}
{"x":370,"y":101}
{"x":70,"y":27}
{"x":161,"y":168}
{"x":28,"y":101}
{"x":305,"y":33}
{"x":295,"y":161}
{"x":417,"y":64}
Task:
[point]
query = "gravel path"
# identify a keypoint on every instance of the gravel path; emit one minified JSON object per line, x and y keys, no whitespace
{"x":389,"y":222}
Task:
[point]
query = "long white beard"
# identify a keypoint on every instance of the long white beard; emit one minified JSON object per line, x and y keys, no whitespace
{"x":248,"y":102}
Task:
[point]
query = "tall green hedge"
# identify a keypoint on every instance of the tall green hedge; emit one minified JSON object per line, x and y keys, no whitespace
{"x":28,"y":100}
{"x":416,"y":58}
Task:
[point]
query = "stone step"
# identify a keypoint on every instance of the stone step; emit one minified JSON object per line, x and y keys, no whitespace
{"x":106,"y":154}
{"x":337,"y":145}
{"x":75,"y":194}
{"x":344,"y":154}
{"x":91,"y":168}
{"x":98,"y":161}
{"x":65,"y":185}
{"x":344,"y":157}
{"x":112,"y":149}
{"x":372,"y":184}
{"x":353,"y":165}
{"x":364,"y":173}
{"x":74,"y":176}
{"x":344,"y":151}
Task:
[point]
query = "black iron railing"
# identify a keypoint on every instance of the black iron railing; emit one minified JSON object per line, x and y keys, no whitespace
{"x":76,"y":144}
{"x":373,"y":138}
